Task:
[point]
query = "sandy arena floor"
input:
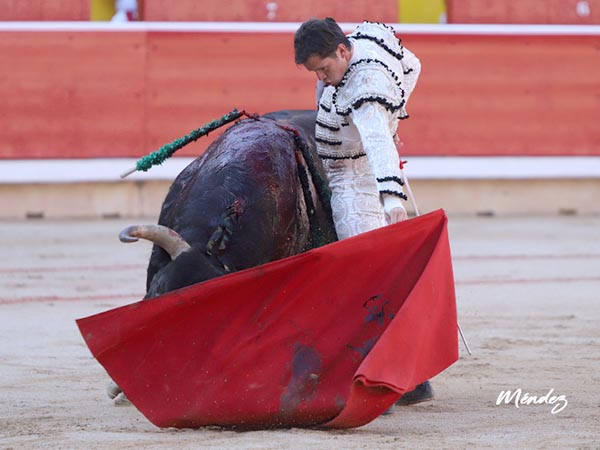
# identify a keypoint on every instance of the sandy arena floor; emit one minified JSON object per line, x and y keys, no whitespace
{"x":528,"y":293}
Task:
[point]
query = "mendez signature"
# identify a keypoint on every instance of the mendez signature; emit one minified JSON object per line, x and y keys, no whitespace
{"x":519,"y":398}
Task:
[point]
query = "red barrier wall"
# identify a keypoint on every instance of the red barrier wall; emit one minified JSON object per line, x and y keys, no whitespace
{"x":505,"y":95}
{"x":110,"y":94}
{"x":192,"y":79}
{"x":72,"y":94}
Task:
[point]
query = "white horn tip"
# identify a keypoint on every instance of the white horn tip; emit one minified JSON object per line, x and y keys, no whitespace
{"x":126,"y":235}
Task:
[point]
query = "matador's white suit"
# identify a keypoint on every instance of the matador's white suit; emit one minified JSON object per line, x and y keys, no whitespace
{"x":356,"y":124}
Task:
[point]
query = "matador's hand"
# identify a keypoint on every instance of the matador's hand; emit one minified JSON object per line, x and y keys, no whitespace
{"x":397,"y":215}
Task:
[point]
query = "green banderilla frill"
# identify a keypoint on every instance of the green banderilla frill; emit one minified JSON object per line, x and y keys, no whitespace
{"x":167,"y":150}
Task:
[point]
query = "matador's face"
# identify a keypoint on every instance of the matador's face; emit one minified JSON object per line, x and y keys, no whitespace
{"x":331,"y":69}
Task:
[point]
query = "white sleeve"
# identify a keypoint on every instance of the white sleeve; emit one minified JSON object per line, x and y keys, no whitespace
{"x":372,"y":121}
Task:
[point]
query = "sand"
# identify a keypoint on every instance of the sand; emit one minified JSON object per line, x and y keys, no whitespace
{"x":528,"y":296}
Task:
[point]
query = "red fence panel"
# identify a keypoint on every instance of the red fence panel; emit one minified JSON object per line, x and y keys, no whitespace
{"x":127,"y":91}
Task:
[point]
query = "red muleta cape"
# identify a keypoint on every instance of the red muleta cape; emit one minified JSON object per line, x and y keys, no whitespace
{"x":328,"y":338}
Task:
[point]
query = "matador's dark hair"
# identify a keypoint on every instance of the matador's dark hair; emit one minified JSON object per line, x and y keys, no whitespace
{"x":320,"y":37}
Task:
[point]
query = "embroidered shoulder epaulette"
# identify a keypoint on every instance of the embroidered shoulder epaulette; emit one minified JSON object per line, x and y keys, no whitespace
{"x":381,"y":34}
{"x":369,"y":80}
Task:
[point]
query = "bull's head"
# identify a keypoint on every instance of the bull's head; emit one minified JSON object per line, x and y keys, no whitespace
{"x":187,"y":264}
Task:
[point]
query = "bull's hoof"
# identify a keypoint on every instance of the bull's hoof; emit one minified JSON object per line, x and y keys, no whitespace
{"x":116,"y":394}
{"x":113,"y":390}
{"x":422,"y":393}
{"x":121,"y":400}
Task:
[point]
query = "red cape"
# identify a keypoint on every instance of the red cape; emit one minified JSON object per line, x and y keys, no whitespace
{"x":330,"y":338}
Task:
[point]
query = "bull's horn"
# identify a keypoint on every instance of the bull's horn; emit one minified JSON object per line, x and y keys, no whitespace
{"x":166,"y":238}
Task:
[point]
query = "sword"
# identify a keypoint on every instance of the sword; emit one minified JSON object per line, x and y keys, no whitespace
{"x":414,"y":204}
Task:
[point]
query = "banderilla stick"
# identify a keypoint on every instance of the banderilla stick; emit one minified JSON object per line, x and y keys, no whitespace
{"x":166,"y":151}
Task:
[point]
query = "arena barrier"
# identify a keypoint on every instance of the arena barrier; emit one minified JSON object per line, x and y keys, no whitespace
{"x":81,"y":93}
{"x":89,"y":90}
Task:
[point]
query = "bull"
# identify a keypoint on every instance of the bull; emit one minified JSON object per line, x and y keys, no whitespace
{"x":256,"y":195}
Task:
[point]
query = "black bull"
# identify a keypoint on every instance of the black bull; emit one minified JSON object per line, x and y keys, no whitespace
{"x":256,"y":195}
